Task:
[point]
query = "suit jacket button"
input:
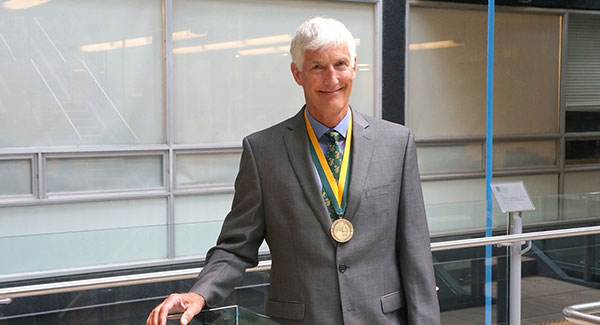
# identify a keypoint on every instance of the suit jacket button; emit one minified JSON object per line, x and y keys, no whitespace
{"x":342,"y":268}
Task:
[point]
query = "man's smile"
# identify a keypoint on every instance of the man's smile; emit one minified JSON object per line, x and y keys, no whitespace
{"x":332,"y":91}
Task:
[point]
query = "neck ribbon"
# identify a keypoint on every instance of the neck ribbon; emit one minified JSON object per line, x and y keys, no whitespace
{"x":336,"y":190}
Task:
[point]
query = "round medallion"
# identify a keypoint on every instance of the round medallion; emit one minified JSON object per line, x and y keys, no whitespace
{"x":342,"y":230}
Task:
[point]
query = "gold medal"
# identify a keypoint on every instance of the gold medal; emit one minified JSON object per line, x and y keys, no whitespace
{"x":342,"y":230}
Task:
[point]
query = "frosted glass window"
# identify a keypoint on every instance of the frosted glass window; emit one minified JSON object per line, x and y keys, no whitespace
{"x":15,"y":177}
{"x":232,"y":68}
{"x":446,"y":72}
{"x":207,"y":169}
{"x":525,"y":154}
{"x":103,"y":173}
{"x":60,"y":236}
{"x":450,"y":158}
{"x":582,"y":182}
{"x":80,"y":73}
{"x":198,"y":222}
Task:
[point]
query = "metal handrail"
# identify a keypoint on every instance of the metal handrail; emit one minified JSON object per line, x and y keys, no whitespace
{"x":107,"y":282}
{"x":484,"y":241}
{"x":580,"y":314}
{"x":151,"y":277}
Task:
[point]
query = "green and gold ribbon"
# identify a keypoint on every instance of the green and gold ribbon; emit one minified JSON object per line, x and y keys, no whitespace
{"x":336,"y":190}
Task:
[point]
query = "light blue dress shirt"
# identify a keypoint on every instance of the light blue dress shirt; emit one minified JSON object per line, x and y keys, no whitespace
{"x":320,"y":130}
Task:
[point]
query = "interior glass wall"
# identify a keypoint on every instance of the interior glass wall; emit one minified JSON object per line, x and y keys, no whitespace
{"x":107,"y":123}
{"x":446,"y":103}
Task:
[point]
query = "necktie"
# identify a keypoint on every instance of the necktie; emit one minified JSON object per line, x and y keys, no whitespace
{"x":334,"y":160}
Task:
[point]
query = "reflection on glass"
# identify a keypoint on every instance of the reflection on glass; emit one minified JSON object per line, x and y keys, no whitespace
{"x":60,"y":89}
{"x":236,"y":78}
{"x":15,"y":177}
{"x":103,"y":173}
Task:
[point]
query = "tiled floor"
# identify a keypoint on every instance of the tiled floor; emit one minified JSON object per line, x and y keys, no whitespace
{"x":542,"y":302}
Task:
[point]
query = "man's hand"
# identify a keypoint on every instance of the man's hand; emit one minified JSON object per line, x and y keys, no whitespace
{"x":189,"y":304}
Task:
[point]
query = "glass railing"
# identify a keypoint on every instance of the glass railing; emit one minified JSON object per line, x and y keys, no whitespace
{"x":563,"y":263}
{"x":552,"y":212}
{"x":556,"y":272}
{"x":230,"y":315}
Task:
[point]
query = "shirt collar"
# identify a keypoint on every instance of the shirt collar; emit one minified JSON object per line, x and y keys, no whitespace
{"x":320,"y":129}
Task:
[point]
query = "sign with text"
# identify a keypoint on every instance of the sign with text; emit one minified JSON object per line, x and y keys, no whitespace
{"x":512,"y":197}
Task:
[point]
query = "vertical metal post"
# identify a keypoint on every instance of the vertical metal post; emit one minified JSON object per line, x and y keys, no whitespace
{"x":515,"y":227}
{"x":489,"y":159}
{"x":167,"y":13}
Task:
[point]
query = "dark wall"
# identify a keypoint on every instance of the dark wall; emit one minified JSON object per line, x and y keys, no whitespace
{"x":394,"y":39}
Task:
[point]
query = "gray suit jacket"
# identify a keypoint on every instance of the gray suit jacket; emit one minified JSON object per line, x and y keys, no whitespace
{"x":383,"y":275}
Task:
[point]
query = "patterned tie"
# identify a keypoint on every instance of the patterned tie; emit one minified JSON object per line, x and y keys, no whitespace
{"x":334,"y":160}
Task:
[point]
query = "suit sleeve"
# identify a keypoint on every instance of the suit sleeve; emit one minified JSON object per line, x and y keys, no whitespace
{"x":241,"y":235}
{"x":413,"y":245}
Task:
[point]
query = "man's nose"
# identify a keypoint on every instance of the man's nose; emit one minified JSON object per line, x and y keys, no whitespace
{"x":330,"y":76}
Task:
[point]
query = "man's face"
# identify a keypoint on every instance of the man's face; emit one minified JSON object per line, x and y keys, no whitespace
{"x":327,"y":75}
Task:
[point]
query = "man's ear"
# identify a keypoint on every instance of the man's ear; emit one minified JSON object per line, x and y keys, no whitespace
{"x":354,"y":69}
{"x":296,"y":73}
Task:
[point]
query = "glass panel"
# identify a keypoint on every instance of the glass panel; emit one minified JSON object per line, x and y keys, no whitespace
{"x":15,"y":177}
{"x":446,"y":72}
{"x":450,"y":158}
{"x":578,"y":152}
{"x":103,"y":173}
{"x":80,"y":81}
{"x":557,"y":273}
{"x":581,"y":206}
{"x":198,"y":221}
{"x":446,"y":191}
{"x":459,"y":205}
{"x":460,"y":276}
{"x":582,"y":182}
{"x":203,"y":169}
{"x":82,"y":234}
{"x":524,"y":154}
{"x":232,"y":81}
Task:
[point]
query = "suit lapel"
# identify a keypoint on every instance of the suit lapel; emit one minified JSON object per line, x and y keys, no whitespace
{"x":362,"y":150}
{"x":297,"y":146}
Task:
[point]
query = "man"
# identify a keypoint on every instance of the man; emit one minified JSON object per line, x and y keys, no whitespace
{"x":337,"y":197}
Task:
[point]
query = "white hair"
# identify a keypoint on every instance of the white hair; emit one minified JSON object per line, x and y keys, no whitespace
{"x":318,"y":33}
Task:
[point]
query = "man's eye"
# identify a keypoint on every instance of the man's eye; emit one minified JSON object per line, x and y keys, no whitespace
{"x":317,"y":66}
